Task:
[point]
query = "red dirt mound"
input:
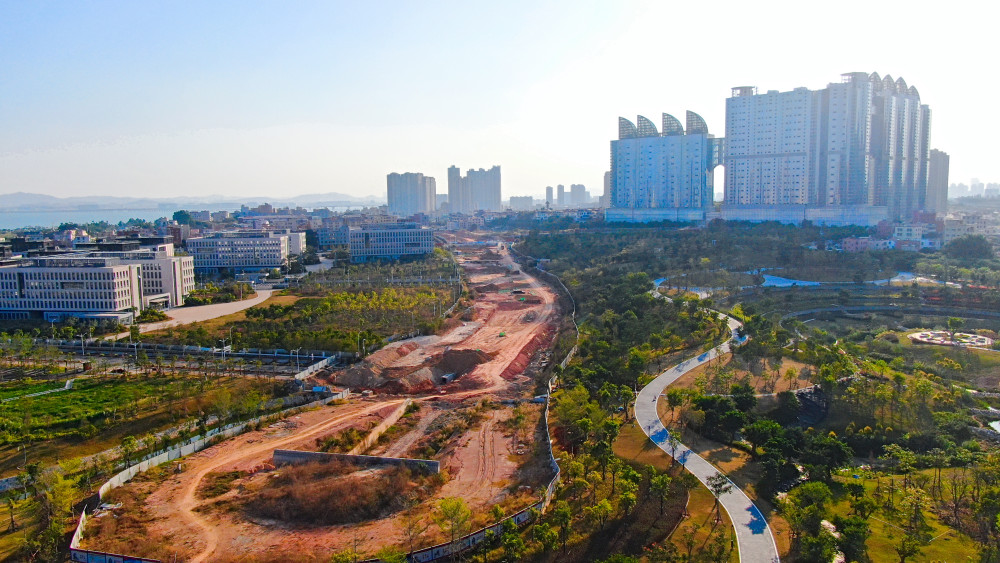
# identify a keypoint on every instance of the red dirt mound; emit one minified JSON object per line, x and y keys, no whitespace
{"x":523,"y":358}
{"x":513,"y":305}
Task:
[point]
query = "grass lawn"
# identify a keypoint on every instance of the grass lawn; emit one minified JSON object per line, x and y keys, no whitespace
{"x":11,"y":541}
{"x":18,"y":388}
{"x":759,"y":383}
{"x":947,"y":545}
{"x":99,"y":412}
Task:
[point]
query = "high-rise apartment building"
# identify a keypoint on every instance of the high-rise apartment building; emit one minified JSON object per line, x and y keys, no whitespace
{"x":478,"y":190}
{"x":561,"y":195}
{"x":578,"y":195}
{"x":411,"y":193}
{"x":666,"y":175}
{"x":548,"y":197}
{"x":854,"y":152}
{"x":937,"y":182}
{"x":522,"y":203}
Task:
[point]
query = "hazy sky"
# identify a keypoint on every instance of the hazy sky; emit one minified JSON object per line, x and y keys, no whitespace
{"x":260,"y":98}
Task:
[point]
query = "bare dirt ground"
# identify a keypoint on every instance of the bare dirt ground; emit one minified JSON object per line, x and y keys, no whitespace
{"x":486,"y":352}
{"x":479,"y":464}
{"x":174,"y":505}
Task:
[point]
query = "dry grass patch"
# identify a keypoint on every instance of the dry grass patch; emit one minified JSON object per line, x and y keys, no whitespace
{"x":334,"y":493}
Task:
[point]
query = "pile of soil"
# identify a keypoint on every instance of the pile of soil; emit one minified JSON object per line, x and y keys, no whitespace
{"x":412,"y":379}
{"x":523,"y":358}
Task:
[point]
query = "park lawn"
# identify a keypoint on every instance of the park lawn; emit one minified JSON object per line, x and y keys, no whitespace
{"x":983,"y":370}
{"x":689,"y":379}
{"x":948,"y":544}
{"x":633,"y":445}
{"x":18,"y":388}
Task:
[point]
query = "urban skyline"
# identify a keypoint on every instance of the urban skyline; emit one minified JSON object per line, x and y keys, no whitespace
{"x":271,"y":94}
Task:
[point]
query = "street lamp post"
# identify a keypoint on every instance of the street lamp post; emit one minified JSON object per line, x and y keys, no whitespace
{"x":297,"y":358}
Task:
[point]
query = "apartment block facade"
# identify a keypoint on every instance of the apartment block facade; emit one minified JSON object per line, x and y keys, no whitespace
{"x":662,"y":175}
{"x":411,"y":193}
{"x":863,"y":142}
{"x":478,"y":190}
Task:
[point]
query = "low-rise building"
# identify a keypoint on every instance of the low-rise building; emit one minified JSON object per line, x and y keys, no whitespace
{"x":388,"y":241}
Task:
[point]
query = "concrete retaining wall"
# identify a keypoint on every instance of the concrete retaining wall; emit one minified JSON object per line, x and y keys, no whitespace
{"x":294,"y":457}
{"x":381,"y":428}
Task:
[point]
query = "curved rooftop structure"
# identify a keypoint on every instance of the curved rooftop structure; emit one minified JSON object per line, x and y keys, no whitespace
{"x":901,"y":86}
{"x":671,"y":126}
{"x":888,"y":84}
{"x":626,"y":129}
{"x":696,"y":124}
{"x":646,"y":127}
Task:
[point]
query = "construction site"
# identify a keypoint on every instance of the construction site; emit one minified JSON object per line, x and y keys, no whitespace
{"x":444,"y":415}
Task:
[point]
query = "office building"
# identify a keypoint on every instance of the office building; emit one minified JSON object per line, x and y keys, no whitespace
{"x":239,"y":251}
{"x":668,"y":175}
{"x":56,"y":287}
{"x":411,"y":193}
{"x":548,"y":197}
{"x":166,"y":279}
{"x":478,"y":190}
{"x":388,"y":241}
{"x":855,"y":152}
{"x":561,"y":196}
{"x":578,"y":195}
{"x":937,"y":182}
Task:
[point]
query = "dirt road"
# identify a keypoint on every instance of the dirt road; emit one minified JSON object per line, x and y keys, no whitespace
{"x":176,"y":502}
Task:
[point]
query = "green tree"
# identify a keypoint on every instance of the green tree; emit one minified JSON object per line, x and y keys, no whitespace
{"x":562,"y":516}
{"x":969,"y":248}
{"x":854,"y":532}
{"x":546,"y":537}
{"x":129,"y":447}
{"x":453,"y":517}
{"x":600,"y":512}
{"x":759,"y":432}
{"x":659,"y":485}
{"x":183,"y":217}
{"x":719,"y":484}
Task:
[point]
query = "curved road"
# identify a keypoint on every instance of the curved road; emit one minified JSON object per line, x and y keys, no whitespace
{"x":187,"y":315}
{"x":754,"y":539}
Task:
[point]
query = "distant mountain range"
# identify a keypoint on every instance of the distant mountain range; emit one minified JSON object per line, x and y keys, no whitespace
{"x":21,"y":202}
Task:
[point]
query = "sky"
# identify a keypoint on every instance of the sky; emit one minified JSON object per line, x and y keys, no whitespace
{"x":265,"y":98}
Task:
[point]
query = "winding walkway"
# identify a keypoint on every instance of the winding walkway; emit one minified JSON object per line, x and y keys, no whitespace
{"x":754,"y":538}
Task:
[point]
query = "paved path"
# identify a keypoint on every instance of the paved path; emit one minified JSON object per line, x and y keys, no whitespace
{"x":188,"y":315}
{"x":753,"y":535}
